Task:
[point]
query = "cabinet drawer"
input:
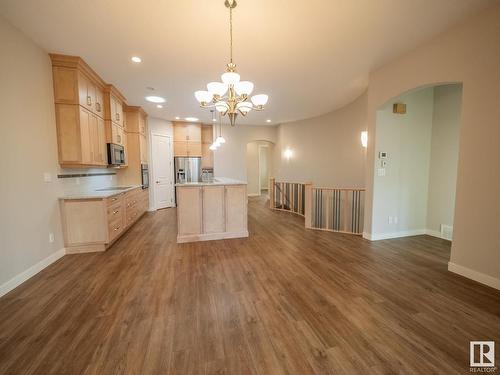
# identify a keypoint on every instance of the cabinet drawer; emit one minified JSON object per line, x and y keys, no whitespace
{"x":114,"y":199}
{"x":115,"y":227}
{"x":115,"y":211}
{"x":132,"y":215}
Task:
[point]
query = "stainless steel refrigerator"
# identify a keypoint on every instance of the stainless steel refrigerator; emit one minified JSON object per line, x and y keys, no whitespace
{"x":187,"y":169}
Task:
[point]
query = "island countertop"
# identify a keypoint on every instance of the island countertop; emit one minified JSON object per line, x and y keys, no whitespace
{"x":217,"y":181}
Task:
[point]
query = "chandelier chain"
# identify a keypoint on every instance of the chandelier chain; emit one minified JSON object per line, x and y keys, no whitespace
{"x":231,"y":33}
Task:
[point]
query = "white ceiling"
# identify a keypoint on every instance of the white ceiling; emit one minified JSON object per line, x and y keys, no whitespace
{"x":310,"y":56}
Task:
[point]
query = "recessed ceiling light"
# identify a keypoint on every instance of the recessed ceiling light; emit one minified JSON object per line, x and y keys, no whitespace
{"x":136,"y":59}
{"x":191,"y":118}
{"x":159,"y":106}
{"x":268,"y":120}
{"x":155,"y":99}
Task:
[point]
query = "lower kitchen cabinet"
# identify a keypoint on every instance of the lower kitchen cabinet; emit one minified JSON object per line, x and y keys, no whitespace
{"x":94,"y":224}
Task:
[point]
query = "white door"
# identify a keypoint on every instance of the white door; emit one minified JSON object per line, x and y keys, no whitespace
{"x":163,"y":183}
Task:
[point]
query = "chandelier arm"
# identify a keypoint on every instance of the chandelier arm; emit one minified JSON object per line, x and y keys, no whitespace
{"x":231,"y":34}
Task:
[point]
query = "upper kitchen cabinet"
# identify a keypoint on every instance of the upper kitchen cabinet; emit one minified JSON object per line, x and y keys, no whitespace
{"x":113,"y":105}
{"x":187,"y":139}
{"x":78,"y":95}
{"x":207,"y":155}
{"x":76,"y":83}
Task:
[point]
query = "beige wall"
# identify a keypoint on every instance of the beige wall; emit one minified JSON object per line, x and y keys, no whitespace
{"x":230,"y":158}
{"x":468,"y":53}
{"x":326,"y":150}
{"x":28,"y":148}
{"x":401,"y":204}
{"x":444,"y":156}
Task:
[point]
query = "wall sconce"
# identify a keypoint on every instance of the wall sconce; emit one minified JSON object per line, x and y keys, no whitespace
{"x":288,"y":154}
{"x":364,"y":139}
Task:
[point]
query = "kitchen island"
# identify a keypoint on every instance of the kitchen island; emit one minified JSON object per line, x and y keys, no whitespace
{"x":211,"y":210}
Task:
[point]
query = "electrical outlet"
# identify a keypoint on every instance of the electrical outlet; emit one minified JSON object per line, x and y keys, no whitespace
{"x":395,"y":219}
{"x":51,"y":237}
{"x":77,"y":181}
{"x":390,"y":219}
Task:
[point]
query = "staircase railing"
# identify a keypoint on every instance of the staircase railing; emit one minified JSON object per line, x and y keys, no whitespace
{"x":323,"y":208}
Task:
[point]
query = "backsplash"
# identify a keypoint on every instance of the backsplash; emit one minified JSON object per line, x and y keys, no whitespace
{"x":98,"y":178}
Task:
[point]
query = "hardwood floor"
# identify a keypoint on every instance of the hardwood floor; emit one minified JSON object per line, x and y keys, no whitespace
{"x":283,"y":301}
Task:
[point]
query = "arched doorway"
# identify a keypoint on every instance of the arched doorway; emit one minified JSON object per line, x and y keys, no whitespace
{"x":416,"y":159}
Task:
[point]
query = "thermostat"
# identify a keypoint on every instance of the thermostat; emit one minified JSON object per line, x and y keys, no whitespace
{"x":382,"y":155}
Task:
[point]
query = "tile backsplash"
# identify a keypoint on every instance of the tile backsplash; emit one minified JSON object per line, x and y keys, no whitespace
{"x":71,"y":185}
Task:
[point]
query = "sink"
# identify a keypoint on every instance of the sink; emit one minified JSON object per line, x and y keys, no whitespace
{"x":114,"y":188}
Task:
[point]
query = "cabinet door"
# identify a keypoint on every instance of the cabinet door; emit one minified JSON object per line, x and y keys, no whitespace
{"x":117,"y":134}
{"x":193,"y":132}
{"x":189,"y":210}
{"x":207,"y":156}
{"x":101,"y":142}
{"x":86,"y":148}
{"x":207,"y":134}
{"x":180,"y":132}
{"x":99,"y":100}
{"x":94,"y":137}
{"x":194,"y":149}
{"x":143,"y":146}
{"x":236,"y":208}
{"x":180,"y":148}
{"x":213,"y":209}
{"x":118,"y":113}
{"x":83,"y":91}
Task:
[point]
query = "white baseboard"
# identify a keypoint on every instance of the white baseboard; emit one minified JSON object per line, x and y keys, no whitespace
{"x":474,"y":275}
{"x":30,"y":272}
{"x":386,"y":236}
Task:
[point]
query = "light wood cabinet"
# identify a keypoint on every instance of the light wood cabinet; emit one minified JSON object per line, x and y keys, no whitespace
{"x":187,"y":139}
{"x":207,"y":155}
{"x":113,"y":105}
{"x":81,"y":140}
{"x":94,"y":224}
{"x":137,"y":145}
{"x":78,"y":95}
{"x":209,"y":212}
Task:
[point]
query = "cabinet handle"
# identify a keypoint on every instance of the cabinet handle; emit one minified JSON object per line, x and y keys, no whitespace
{"x":115,"y":212}
{"x":113,"y":199}
{"x":119,"y":137}
{"x":117,"y":116}
{"x":98,"y":107}
{"x":117,"y":228}
{"x":89,"y":100}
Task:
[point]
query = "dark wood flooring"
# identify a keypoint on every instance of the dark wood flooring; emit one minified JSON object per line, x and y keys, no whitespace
{"x":283,"y":301}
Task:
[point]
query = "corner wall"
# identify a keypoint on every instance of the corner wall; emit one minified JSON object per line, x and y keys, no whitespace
{"x":468,"y":54}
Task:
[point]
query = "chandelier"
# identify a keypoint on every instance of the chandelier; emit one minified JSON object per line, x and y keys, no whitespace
{"x":230,"y":96}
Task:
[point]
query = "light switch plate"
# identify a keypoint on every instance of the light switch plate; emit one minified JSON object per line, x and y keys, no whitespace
{"x":47,"y":177}
{"x":381,"y":172}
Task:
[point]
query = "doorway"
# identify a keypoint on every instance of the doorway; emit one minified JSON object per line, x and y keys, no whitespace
{"x":163,"y":185}
{"x":259,"y":167}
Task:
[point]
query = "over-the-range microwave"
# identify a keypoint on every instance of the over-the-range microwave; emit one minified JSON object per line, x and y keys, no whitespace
{"x":116,"y":154}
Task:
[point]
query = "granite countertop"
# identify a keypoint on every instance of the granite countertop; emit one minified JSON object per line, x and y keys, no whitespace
{"x":217,"y":181}
{"x":99,"y":193}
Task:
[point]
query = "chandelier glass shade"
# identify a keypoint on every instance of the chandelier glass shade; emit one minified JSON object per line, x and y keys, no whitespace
{"x":231,"y":96}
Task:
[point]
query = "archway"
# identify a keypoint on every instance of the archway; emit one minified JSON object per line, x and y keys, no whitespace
{"x":416,"y":159}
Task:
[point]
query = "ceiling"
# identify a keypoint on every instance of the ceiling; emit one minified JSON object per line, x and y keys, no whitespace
{"x":310,"y":57}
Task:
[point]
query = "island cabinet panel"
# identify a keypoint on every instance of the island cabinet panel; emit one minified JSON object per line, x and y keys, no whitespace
{"x":236,"y":208}
{"x":189,"y":217}
{"x":213,"y":209}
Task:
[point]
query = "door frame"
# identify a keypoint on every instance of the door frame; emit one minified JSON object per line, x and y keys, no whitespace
{"x":259,"y":162}
{"x":154,"y":206}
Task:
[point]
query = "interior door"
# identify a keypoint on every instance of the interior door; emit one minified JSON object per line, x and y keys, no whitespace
{"x":162,"y":171}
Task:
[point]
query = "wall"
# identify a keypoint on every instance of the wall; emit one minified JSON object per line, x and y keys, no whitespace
{"x":230,"y":158}
{"x":265,"y":165}
{"x":402,"y":191}
{"x":30,"y":206}
{"x":444,"y":157}
{"x":326,"y":150}
{"x":466,"y":53}
{"x":252,"y":165}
